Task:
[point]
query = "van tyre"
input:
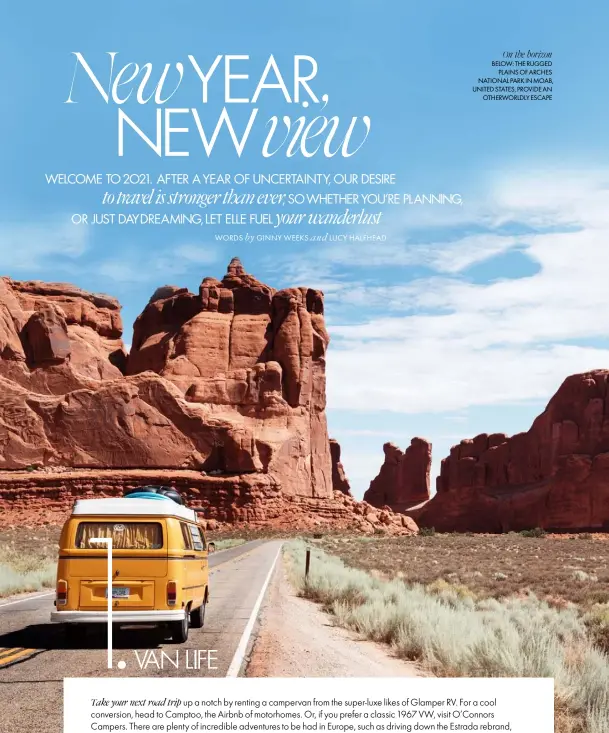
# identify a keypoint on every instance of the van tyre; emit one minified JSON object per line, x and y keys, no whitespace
{"x":179,"y":629}
{"x":197,"y":617}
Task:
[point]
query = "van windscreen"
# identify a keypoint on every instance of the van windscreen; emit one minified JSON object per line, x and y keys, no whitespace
{"x":125,"y":535}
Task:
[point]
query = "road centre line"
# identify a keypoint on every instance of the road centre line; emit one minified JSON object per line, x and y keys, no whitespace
{"x":17,"y":656}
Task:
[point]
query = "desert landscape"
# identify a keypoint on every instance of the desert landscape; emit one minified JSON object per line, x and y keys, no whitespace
{"x":502,"y":571}
{"x":222,"y":395}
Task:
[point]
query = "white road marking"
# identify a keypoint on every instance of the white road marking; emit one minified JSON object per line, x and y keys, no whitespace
{"x":29,"y":598}
{"x":237,"y":661}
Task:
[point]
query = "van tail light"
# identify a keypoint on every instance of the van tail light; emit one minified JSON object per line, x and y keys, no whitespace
{"x":62,"y":592}
{"x":172,"y":593}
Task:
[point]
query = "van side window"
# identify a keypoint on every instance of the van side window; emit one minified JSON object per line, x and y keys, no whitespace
{"x":186,"y":536}
{"x":196,"y":537}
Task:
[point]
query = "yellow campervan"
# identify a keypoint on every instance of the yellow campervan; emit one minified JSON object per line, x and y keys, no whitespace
{"x":159,"y":568}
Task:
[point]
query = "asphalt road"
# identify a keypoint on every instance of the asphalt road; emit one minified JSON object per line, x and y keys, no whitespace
{"x":35,"y":656}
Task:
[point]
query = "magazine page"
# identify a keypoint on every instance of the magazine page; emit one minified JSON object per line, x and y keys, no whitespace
{"x":303,"y":367}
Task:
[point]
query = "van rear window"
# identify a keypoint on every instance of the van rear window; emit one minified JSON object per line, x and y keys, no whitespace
{"x":125,"y":535}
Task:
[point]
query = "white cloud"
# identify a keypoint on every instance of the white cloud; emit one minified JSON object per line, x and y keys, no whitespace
{"x":123,"y":270}
{"x":552,"y":198}
{"x":361,"y":467}
{"x":32,"y":247}
{"x":457,"y":256}
{"x":412,"y":377}
{"x":395,"y":436}
{"x":439,"y":345}
{"x":197,"y":254}
{"x":58,"y":247}
{"x":503,"y":342}
{"x":167,"y":263}
{"x":449,"y":257}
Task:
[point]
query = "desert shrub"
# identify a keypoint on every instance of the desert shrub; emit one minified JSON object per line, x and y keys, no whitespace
{"x":450,"y":591}
{"x":598,"y":623}
{"x":537,"y":532}
{"x":427,"y":531}
{"x":543,"y":565}
{"x":225,"y":544}
{"x":22,"y":572}
{"x":13,"y":580}
{"x":460,"y":636}
{"x":583,"y":577}
{"x":598,"y":596}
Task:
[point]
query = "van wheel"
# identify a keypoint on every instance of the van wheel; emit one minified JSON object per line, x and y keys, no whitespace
{"x":179,"y":629}
{"x":197,"y":617}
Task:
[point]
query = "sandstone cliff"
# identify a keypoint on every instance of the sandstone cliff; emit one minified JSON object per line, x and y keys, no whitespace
{"x":340,"y":482}
{"x":249,"y":363}
{"x":403,"y":481}
{"x":223,"y":393}
{"x":555,"y":476}
{"x":55,"y":337}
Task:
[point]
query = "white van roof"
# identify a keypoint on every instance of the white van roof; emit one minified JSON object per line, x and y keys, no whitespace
{"x":133,"y":507}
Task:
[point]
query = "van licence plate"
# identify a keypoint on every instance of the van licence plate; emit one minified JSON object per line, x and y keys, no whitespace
{"x":118,"y":592}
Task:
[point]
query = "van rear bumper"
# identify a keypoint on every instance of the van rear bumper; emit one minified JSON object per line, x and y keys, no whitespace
{"x":118,"y":617}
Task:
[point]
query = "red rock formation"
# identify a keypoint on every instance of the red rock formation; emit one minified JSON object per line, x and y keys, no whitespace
{"x":45,"y":338}
{"x":228,"y":383}
{"x":45,"y":497}
{"x":340,"y":482}
{"x":258,"y":357}
{"x":555,"y":476}
{"x":403,"y":481}
{"x":55,"y":337}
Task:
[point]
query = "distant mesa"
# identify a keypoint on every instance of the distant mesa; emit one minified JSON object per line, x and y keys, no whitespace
{"x":554,"y":476}
{"x":403,"y":481}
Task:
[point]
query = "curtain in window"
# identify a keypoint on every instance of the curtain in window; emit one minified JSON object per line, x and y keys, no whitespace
{"x":125,"y":535}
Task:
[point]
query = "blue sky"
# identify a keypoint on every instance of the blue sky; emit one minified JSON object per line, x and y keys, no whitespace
{"x":466,"y":319}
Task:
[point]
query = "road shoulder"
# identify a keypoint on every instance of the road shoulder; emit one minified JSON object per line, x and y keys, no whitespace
{"x":297,"y":639}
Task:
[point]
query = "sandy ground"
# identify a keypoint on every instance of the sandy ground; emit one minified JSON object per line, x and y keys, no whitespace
{"x":297,"y":639}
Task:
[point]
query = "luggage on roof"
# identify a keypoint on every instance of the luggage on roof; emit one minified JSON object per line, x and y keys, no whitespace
{"x":154,"y":492}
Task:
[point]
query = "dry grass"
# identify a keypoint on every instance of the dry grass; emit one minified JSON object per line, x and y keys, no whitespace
{"x":558,"y":569}
{"x":562,"y":570}
{"x":28,"y":561}
{"x":264,"y":533}
{"x":227,"y":543}
{"x":24,"y":540}
{"x":241,"y":533}
{"x":453,"y":632}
